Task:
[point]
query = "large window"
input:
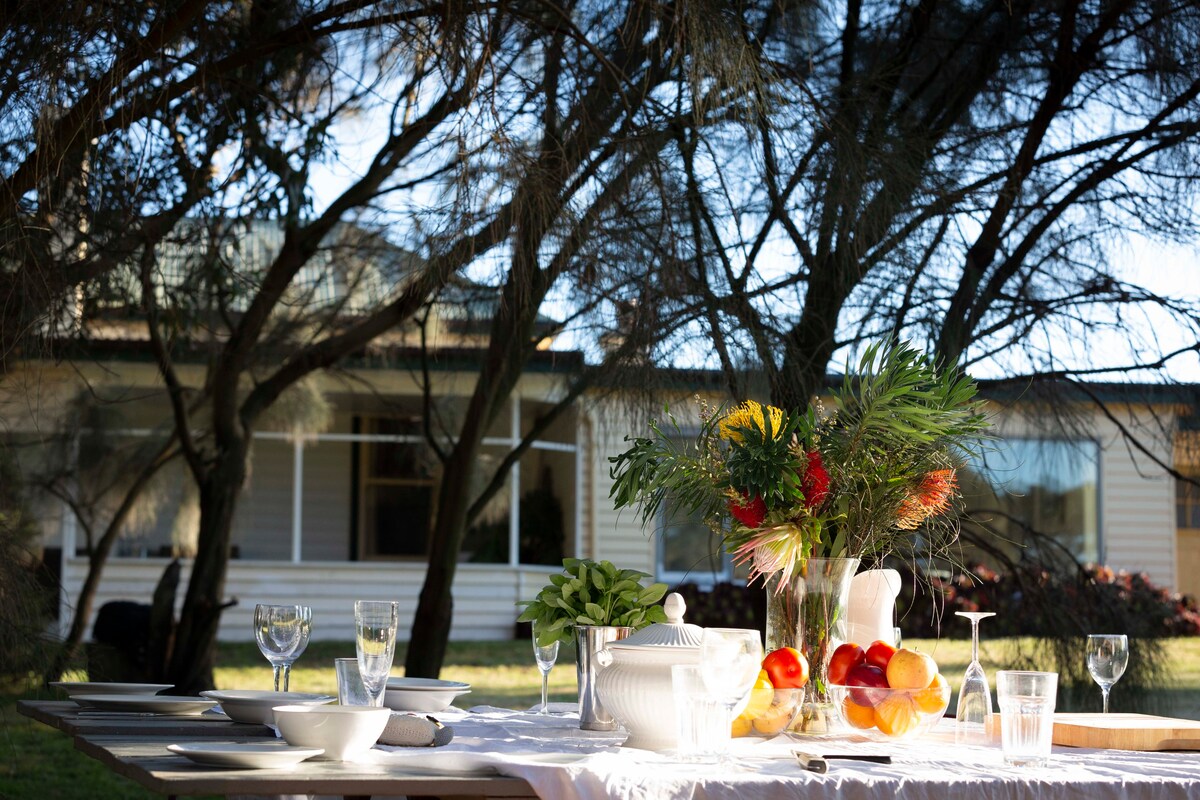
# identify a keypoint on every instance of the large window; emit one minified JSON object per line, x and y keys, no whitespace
{"x":1040,"y":495}
{"x":690,"y":552}
{"x":530,"y":519}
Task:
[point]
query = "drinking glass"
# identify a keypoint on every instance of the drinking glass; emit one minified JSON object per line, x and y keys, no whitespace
{"x":375,"y":623}
{"x":278,"y":631}
{"x":975,"y":695}
{"x":545,"y":655}
{"x":730,"y":660}
{"x":305,"y":629}
{"x":1107,"y":657}
{"x":1026,"y":716}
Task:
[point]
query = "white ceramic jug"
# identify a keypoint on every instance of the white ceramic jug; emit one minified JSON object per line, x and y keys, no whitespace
{"x":871,"y":611}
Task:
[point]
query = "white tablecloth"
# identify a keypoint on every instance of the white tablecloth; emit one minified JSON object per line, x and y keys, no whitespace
{"x":561,"y":761}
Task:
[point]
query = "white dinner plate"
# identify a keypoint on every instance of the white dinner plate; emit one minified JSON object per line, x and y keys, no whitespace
{"x":255,"y":707}
{"x":73,"y":688}
{"x":245,"y":756}
{"x":146,"y":703}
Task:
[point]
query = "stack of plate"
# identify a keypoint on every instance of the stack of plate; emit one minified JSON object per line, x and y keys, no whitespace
{"x":422,"y":694}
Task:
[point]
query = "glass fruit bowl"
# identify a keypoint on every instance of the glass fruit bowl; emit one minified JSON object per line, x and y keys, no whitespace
{"x":885,"y":714}
{"x":769,"y":712}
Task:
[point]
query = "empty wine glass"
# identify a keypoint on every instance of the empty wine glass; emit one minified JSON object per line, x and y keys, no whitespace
{"x":305,"y":629}
{"x":975,"y":695}
{"x":278,"y":631}
{"x":375,"y":623}
{"x":730,"y":660}
{"x":545,"y":655}
{"x":1107,"y":657}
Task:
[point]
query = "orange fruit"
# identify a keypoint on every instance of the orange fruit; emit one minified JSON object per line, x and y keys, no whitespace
{"x":934,"y":699}
{"x":779,"y":713}
{"x":858,"y":716}
{"x":896,"y":714}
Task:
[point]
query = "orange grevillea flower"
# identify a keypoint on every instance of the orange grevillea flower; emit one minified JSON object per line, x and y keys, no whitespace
{"x":932,"y":496}
{"x":770,"y":550}
{"x":750,"y":414}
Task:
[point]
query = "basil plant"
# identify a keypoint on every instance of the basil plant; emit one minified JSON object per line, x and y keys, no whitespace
{"x":592,"y":593}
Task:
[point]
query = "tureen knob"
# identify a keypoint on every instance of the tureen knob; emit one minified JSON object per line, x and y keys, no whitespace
{"x":674,"y":606}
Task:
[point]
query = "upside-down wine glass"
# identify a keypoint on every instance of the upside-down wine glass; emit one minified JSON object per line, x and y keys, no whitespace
{"x":730,"y":659}
{"x":975,"y":695}
{"x":545,"y":655}
{"x":305,"y":629}
{"x":375,"y":623}
{"x":1107,"y":657}
{"x":278,"y":631}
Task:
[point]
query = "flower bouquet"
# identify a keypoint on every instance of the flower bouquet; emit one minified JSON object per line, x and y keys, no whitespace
{"x":792,"y":491}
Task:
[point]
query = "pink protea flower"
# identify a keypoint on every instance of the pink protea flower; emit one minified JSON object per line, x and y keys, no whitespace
{"x":770,"y":550}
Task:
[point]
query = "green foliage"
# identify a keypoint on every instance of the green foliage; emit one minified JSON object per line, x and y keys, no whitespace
{"x":593,"y":593}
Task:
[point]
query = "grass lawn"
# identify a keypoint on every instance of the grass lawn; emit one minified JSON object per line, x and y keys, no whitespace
{"x":38,"y":762}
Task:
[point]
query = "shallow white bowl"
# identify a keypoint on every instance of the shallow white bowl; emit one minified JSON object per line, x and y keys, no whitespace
{"x":422,"y":694}
{"x":343,"y":732}
{"x":256,"y":708}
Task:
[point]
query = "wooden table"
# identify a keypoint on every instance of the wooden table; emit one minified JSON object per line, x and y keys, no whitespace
{"x":149,"y":764}
{"x":136,"y":746}
{"x":68,"y":717}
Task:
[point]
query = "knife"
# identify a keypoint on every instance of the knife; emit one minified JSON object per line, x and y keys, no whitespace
{"x":820,"y":764}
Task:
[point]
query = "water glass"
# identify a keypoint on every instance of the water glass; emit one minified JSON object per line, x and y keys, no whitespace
{"x":351,"y":691}
{"x":702,"y":722}
{"x":1026,"y":716}
{"x":375,"y":623}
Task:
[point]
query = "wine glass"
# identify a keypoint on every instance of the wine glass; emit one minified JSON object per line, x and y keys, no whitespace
{"x":278,"y":631}
{"x":975,"y":695}
{"x":545,"y":655}
{"x":730,"y":660}
{"x":305,"y":629}
{"x":375,"y":623}
{"x":1107,"y":657}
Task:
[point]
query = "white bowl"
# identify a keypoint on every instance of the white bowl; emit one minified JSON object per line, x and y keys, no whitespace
{"x":343,"y":732}
{"x":422,"y":694}
{"x":254,"y":707}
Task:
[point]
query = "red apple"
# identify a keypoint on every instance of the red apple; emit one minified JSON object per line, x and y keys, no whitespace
{"x":880,"y":653}
{"x":846,"y":656}
{"x":864,"y":675}
{"x":787,"y":668}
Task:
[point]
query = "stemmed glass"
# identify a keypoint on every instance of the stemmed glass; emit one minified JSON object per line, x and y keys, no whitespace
{"x":545,"y":655}
{"x":975,"y":695}
{"x":278,"y":631}
{"x":305,"y":629}
{"x":1107,"y":657}
{"x":730,"y":660}
{"x":375,"y":623}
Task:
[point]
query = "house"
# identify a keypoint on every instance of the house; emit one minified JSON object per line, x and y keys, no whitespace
{"x":341,"y":483}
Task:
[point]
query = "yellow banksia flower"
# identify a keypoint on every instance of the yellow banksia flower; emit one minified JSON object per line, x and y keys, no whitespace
{"x":749,"y":414}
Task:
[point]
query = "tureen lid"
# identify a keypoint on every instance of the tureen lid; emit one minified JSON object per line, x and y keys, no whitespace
{"x":672,"y":633}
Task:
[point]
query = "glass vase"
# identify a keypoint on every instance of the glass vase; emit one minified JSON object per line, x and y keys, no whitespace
{"x":809,"y":614}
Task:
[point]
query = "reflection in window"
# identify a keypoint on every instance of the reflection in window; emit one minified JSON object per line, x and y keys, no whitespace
{"x":689,"y":551}
{"x":1044,"y":487}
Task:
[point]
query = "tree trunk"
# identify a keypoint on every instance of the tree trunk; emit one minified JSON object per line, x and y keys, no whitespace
{"x":435,"y":609}
{"x":196,"y":637}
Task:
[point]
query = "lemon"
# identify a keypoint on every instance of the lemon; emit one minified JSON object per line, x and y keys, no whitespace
{"x":761,"y":696}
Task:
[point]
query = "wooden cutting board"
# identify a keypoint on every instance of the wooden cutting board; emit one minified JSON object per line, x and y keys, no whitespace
{"x":1126,"y":732}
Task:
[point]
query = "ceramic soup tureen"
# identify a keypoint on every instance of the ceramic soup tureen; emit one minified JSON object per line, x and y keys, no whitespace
{"x":634,"y":683}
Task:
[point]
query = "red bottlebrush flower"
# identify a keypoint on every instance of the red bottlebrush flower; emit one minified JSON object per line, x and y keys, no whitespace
{"x":932,"y":496}
{"x":815,"y":483}
{"x":750,"y":511}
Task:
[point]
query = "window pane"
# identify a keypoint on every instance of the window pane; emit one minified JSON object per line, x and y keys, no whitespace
{"x":1031,"y":490}
{"x":547,"y":531}
{"x":397,"y":520}
{"x":486,"y":540}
